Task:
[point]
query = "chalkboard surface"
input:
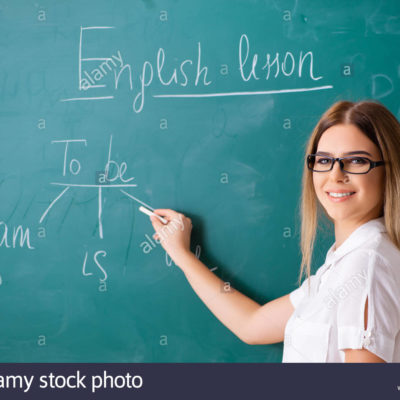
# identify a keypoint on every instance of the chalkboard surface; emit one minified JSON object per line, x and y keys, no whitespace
{"x":199,"y":106}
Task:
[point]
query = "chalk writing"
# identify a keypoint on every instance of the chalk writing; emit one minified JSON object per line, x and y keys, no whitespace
{"x":110,"y":180}
{"x":19,"y":237}
{"x":187,"y":72}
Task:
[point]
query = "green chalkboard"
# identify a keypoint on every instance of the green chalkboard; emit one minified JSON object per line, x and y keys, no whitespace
{"x":199,"y":106}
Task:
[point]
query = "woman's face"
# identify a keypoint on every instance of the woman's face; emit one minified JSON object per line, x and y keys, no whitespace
{"x":367,"y":201}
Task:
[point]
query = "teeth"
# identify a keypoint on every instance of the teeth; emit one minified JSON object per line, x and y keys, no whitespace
{"x":333,"y":194}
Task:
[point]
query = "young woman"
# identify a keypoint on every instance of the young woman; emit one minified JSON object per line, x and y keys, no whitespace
{"x":349,"y":310}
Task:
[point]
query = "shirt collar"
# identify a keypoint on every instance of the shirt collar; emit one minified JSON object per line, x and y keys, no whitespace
{"x":356,"y":238}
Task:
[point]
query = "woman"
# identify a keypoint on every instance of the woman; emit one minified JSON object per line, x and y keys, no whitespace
{"x":349,"y":310}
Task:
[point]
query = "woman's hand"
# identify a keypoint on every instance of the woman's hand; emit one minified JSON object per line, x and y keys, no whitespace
{"x":175,"y":235}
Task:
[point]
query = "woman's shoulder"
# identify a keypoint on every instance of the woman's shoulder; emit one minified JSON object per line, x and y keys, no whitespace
{"x":388,"y":254}
{"x":379,"y":257}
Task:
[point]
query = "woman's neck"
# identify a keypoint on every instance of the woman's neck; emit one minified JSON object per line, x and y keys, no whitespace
{"x":343,"y":229}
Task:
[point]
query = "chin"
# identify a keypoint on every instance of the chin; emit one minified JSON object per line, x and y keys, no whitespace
{"x":338,"y":215}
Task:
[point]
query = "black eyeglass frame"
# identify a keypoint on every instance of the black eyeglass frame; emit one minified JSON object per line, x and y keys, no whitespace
{"x":372,"y":164}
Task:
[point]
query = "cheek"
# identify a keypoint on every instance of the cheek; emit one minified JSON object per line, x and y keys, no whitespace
{"x":372,"y":188}
{"x":377,"y":185}
{"x":375,"y":180}
{"x":318,"y":182}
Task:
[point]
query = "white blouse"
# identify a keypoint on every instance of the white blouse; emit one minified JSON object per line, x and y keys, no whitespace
{"x":330,"y":318}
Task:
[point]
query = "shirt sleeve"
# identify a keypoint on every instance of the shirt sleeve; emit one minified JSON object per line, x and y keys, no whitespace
{"x":365,"y":274}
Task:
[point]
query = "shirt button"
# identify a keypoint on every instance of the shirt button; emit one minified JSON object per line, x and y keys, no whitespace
{"x":366,"y":338}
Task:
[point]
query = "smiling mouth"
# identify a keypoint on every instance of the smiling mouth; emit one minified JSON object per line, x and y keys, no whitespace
{"x":334,"y":195}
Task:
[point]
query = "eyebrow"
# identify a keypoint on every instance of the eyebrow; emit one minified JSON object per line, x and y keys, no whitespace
{"x":324,"y":153}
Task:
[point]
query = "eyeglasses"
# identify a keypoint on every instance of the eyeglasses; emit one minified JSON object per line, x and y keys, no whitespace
{"x":352,"y":165}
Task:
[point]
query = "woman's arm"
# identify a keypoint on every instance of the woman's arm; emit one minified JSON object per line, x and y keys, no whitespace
{"x":248,"y":320}
{"x":361,"y":356}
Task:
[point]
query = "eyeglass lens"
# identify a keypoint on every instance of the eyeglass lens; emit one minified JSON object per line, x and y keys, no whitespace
{"x":350,"y":164}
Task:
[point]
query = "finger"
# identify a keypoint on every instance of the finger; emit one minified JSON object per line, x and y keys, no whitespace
{"x":166,"y":212}
{"x":156,"y":223}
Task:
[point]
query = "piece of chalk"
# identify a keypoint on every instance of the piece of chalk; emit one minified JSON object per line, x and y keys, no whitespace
{"x":148,"y":212}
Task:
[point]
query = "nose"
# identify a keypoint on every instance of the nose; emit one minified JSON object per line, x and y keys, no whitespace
{"x":336,"y":174}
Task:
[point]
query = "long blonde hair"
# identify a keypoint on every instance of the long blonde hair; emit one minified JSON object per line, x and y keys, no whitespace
{"x":383,"y":129}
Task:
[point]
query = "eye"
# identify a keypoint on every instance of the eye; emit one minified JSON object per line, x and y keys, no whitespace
{"x":323,"y":161}
{"x":358,"y":160}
